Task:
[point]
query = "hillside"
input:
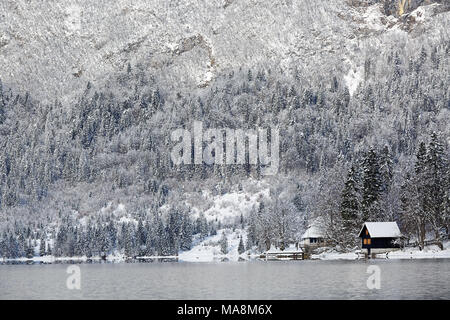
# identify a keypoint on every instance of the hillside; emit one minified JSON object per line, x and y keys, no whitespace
{"x":90,"y":95}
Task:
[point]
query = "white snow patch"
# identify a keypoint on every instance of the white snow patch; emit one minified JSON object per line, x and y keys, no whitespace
{"x":423,"y":13}
{"x":128,"y":219}
{"x":72,"y":19}
{"x":335,"y":256}
{"x":227,"y":207}
{"x":372,"y":17}
{"x":208,"y":250}
{"x":353,"y":78}
{"x":120,"y":208}
{"x":429,"y":252}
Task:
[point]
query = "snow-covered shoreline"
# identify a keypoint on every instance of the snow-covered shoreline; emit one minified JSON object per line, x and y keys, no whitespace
{"x":429,"y":252}
{"x":405,"y":254}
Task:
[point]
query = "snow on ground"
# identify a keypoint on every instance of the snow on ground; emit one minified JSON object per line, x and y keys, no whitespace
{"x":52,"y":259}
{"x":208,"y":249}
{"x":429,"y":252}
{"x":353,"y":78}
{"x":335,"y":256}
{"x":424,"y":13}
{"x":127,"y":219}
{"x":226,"y":208}
{"x":373,"y":17}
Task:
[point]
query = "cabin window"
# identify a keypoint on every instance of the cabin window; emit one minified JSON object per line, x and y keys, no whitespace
{"x":369,"y":241}
{"x":365,"y":241}
{"x":367,"y":232}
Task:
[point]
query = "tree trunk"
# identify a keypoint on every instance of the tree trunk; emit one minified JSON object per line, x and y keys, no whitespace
{"x":438,"y":239}
{"x":421,"y":236}
{"x":267,"y":244}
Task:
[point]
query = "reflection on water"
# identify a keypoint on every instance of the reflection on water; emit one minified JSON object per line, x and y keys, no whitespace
{"x":400,"y":279}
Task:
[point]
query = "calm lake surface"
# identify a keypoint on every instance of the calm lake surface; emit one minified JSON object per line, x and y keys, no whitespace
{"x":400,"y":279}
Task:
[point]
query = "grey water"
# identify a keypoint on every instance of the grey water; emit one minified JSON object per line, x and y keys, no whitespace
{"x":399,"y":279}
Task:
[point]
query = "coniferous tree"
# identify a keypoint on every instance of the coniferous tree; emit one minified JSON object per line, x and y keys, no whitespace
{"x":42,"y":246}
{"x":186,"y":233}
{"x":224,"y":243}
{"x":141,"y":237}
{"x":436,"y":165}
{"x":386,"y":170}
{"x":241,"y":248}
{"x":350,"y":207}
{"x":371,"y":187}
{"x":413,"y":198}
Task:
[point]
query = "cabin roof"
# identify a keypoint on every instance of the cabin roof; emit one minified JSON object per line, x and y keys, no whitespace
{"x":382,"y":229}
{"x":314,"y":230}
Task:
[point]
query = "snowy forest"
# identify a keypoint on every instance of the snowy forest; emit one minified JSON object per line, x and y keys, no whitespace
{"x":378,"y":153}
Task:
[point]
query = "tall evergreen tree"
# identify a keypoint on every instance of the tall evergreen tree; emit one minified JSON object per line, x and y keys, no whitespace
{"x":436,"y":183}
{"x":371,"y":187}
{"x":42,"y":246}
{"x":241,"y":248}
{"x":224,"y":243}
{"x":350,"y":205}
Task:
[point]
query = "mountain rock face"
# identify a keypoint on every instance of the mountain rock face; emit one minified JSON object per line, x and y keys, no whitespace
{"x":401,"y":7}
{"x":53,"y":50}
{"x":398,"y":7}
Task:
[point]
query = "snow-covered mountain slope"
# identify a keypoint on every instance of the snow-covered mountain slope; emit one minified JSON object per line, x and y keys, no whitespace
{"x":229,"y":207}
{"x":53,"y":50}
{"x":208,"y":250}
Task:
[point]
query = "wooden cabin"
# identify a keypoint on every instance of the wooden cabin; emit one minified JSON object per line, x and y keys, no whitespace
{"x":379,"y":237}
{"x":313,"y":237}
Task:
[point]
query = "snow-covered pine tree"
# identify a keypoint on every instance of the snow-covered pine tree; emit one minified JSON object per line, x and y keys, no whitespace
{"x":224,"y":243}
{"x":436,"y":164}
{"x":201,"y":226}
{"x":2,"y":105}
{"x":42,"y":246}
{"x":186,"y":233}
{"x":131,"y":248}
{"x":161,"y":239}
{"x":241,"y":248}
{"x":350,"y":207}
{"x":141,"y":237}
{"x":386,"y":169}
{"x":413,"y":211}
{"x":371,"y":187}
{"x":29,"y":249}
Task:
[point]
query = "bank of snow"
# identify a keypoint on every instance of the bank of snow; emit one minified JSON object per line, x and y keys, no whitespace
{"x":209,"y":249}
{"x":334,"y":255}
{"x":429,"y":252}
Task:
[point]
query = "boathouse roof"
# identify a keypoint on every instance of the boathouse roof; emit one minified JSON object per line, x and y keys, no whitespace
{"x":382,"y":229}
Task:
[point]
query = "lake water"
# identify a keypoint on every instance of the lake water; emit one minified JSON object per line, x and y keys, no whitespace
{"x":400,"y":279}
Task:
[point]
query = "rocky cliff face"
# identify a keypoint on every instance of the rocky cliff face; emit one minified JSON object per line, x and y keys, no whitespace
{"x":54,"y":50}
{"x":401,"y":7}
{"x":398,"y":7}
